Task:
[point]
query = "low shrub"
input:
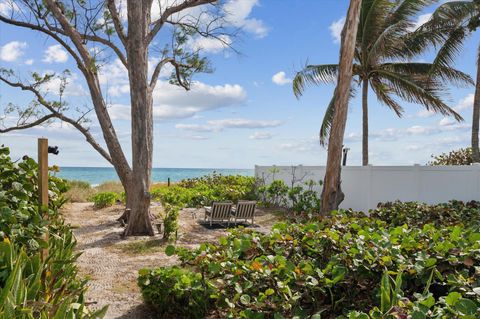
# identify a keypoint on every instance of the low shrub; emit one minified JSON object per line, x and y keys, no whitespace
{"x":175,"y":292}
{"x":338,"y":267}
{"x":462,"y":156}
{"x":299,"y":199}
{"x":170,"y":221}
{"x":418,"y":214}
{"x":105,"y":199}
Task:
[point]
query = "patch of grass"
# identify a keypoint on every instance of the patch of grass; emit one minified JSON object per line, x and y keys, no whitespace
{"x":143,"y":247}
{"x":115,"y":187}
{"x":79,"y":191}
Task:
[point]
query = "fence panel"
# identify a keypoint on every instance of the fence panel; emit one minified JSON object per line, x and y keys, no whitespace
{"x":366,"y":186}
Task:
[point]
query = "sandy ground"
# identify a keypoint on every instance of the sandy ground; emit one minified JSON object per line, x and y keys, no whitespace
{"x":112,"y":268}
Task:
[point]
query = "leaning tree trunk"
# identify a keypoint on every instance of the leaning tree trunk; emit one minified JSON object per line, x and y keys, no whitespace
{"x":476,"y":117}
{"x":365,"y":122}
{"x":332,"y":194}
{"x":142,"y":119}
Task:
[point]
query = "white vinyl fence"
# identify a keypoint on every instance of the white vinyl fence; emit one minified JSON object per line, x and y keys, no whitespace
{"x":366,"y":186}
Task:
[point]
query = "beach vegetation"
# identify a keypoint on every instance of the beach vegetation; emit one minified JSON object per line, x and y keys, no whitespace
{"x":104,"y":199}
{"x":402,"y":261}
{"x":38,"y":275}
{"x":462,"y":156}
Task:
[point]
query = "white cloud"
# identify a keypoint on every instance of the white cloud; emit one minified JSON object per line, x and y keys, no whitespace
{"x":280,"y":78}
{"x":72,"y":88}
{"x":172,"y":102}
{"x":55,"y":54}
{"x":12,"y":51}
{"x":260,"y":136}
{"x":118,"y":90}
{"x":212,"y":45}
{"x":29,"y":62}
{"x":425,"y":113}
{"x":336,"y":29}
{"x":7,"y":7}
{"x":302,"y":145}
{"x":466,"y":103}
{"x":447,"y":121}
{"x":238,"y":15}
{"x":220,"y":125}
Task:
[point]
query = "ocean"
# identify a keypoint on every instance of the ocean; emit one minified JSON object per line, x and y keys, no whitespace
{"x":98,"y":175}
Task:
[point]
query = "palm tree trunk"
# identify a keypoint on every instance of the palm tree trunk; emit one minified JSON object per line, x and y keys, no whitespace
{"x":476,"y":116}
{"x":365,"y":122}
{"x":332,"y":194}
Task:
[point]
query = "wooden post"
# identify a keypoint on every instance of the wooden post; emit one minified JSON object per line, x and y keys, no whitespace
{"x":43,"y":172}
{"x":43,"y":183}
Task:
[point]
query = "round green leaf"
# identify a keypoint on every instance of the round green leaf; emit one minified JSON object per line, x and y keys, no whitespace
{"x":170,"y":250}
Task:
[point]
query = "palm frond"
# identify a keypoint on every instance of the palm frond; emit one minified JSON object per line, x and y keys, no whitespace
{"x":372,"y":24}
{"x":422,"y":90}
{"x":446,"y":75}
{"x":405,"y":10}
{"x":383,"y":94}
{"x":328,"y":118}
{"x":327,"y":121}
{"x":450,"y":49}
{"x":314,"y":75}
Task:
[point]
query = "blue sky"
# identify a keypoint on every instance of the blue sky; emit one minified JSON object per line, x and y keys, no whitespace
{"x":245,"y":112}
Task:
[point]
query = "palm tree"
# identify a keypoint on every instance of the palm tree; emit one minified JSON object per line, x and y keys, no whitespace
{"x":456,"y":21}
{"x":385,"y":44}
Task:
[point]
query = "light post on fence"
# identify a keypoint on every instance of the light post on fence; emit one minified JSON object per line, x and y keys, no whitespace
{"x":345,"y":153}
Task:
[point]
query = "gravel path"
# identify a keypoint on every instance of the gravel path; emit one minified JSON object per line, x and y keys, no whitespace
{"x":113,"y":269}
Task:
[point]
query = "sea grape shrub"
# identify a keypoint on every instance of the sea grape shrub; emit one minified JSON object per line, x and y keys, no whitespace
{"x":462,"y":156}
{"x":300,"y":199}
{"x":170,"y":221}
{"x":305,"y":199}
{"x":394,"y":304}
{"x":32,"y":286}
{"x":231,"y":187}
{"x":104,"y":199}
{"x":202,"y":191}
{"x":175,"y":292}
{"x":334,"y":265}
{"x":20,"y":219}
{"x":418,"y":214}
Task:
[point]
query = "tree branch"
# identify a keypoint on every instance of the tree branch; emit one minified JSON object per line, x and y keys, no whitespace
{"x":117,"y":23}
{"x":157,"y":25}
{"x":55,"y":113}
{"x":29,"y":125}
{"x":32,"y":26}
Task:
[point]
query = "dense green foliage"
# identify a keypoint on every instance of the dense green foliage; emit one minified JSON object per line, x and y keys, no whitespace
{"x":188,"y":294}
{"x":202,"y":191}
{"x":394,"y":264}
{"x":104,"y":199}
{"x":298,"y":199}
{"x":35,"y":283}
{"x":462,"y":156}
